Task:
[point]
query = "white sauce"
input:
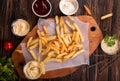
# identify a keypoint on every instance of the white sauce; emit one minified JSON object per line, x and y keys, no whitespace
{"x":32,"y":70}
{"x":68,"y":7}
{"x":20,"y":27}
{"x":109,"y":50}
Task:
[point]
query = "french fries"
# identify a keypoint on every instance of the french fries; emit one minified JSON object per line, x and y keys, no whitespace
{"x":29,"y":40}
{"x":106,"y":16}
{"x":18,"y":51}
{"x":87,"y":10}
{"x":33,"y":46}
{"x":45,"y":30}
{"x":42,"y":66}
{"x":76,"y":27}
{"x":70,"y":18}
{"x":56,"y":19}
{"x":59,"y":47}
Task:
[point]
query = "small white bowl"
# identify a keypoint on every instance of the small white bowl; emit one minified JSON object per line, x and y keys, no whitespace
{"x":37,"y":13}
{"x":31,"y":65}
{"x":68,"y":7}
{"x":20,"y":27}
{"x":110,"y":50}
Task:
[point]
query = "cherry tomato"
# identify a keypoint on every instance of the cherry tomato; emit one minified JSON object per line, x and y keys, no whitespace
{"x":8,"y":45}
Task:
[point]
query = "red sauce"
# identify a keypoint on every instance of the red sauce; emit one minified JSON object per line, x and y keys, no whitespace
{"x":41,"y":7}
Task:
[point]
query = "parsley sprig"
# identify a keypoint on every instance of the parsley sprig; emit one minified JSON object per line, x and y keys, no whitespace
{"x":110,"y":40}
{"x":7,"y":72}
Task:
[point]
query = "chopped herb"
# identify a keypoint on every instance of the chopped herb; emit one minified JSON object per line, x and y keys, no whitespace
{"x":114,"y":36}
{"x":111,"y":43}
{"x":7,"y":72}
{"x":106,"y":38}
{"x":110,"y":40}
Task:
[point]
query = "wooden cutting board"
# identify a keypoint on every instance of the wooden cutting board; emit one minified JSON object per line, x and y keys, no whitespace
{"x":95,"y":37}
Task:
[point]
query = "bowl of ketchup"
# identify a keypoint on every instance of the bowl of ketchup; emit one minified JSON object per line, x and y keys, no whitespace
{"x":41,"y":8}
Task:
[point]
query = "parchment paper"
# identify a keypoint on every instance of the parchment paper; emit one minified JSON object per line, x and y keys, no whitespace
{"x":82,"y":58}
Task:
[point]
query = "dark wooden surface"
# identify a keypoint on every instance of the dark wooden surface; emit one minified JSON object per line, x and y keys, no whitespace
{"x":102,"y":67}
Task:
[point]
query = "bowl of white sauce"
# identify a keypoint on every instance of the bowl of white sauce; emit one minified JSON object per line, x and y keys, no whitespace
{"x":110,"y":44}
{"x":68,"y":7}
{"x":32,"y":70}
{"x":20,"y":27}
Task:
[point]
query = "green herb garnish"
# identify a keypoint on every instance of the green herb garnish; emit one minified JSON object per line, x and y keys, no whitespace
{"x":7,"y":72}
{"x":110,"y":40}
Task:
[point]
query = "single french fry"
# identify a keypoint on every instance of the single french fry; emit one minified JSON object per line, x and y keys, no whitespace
{"x":69,"y":55}
{"x":33,"y":46}
{"x":40,"y":46}
{"x":45,"y":29}
{"x":87,"y":10}
{"x":56,"y":60}
{"x":32,"y":54}
{"x":51,"y":38}
{"x":38,"y":33}
{"x":43,"y":43}
{"x":53,"y":45}
{"x":61,"y":21}
{"x":106,"y":16}
{"x":55,"y":50}
{"x":70,"y":47}
{"x":77,"y":53}
{"x":18,"y":51}
{"x":42,"y":34}
{"x":76,"y":37}
{"x":69,"y":39}
{"x":57,"y":19}
{"x":42,"y":66}
{"x":51,"y":54}
{"x":44,"y":39}
{"x":61,"y":55}
{"x":69,"y":25}
{"x":66,"y":42}
{"x":46,"y":59}
{"x":62,"y":48}
{"x":57,"y":44}
{"x":64,"y":28}
{"x":70,"y":17}
{"x":34,"y":41}
{"x":28,"y":42}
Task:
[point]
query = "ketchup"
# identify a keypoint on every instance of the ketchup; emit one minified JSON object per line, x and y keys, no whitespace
{"x":41,"y":7}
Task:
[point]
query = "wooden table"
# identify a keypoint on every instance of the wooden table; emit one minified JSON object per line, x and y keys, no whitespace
{"x":102,"y":67}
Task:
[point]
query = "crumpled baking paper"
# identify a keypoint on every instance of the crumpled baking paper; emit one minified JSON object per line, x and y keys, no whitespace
{"x":81,"y":59}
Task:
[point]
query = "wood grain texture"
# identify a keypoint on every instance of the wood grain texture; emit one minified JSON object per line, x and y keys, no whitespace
{"x":11,"y":10}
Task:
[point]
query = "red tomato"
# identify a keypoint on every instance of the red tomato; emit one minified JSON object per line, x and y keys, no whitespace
{"x":8,"y":45}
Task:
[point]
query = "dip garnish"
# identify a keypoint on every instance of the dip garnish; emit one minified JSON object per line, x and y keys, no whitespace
{"x":110,"y":40}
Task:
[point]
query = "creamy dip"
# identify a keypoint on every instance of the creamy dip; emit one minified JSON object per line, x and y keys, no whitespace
{"x":32,"y":70}
{"x":20,"y":27}
{"x":68,"y":7}
{"x":110,"y":50}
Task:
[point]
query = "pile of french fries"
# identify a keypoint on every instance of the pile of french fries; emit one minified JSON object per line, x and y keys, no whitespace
{"x":61,"y":46}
